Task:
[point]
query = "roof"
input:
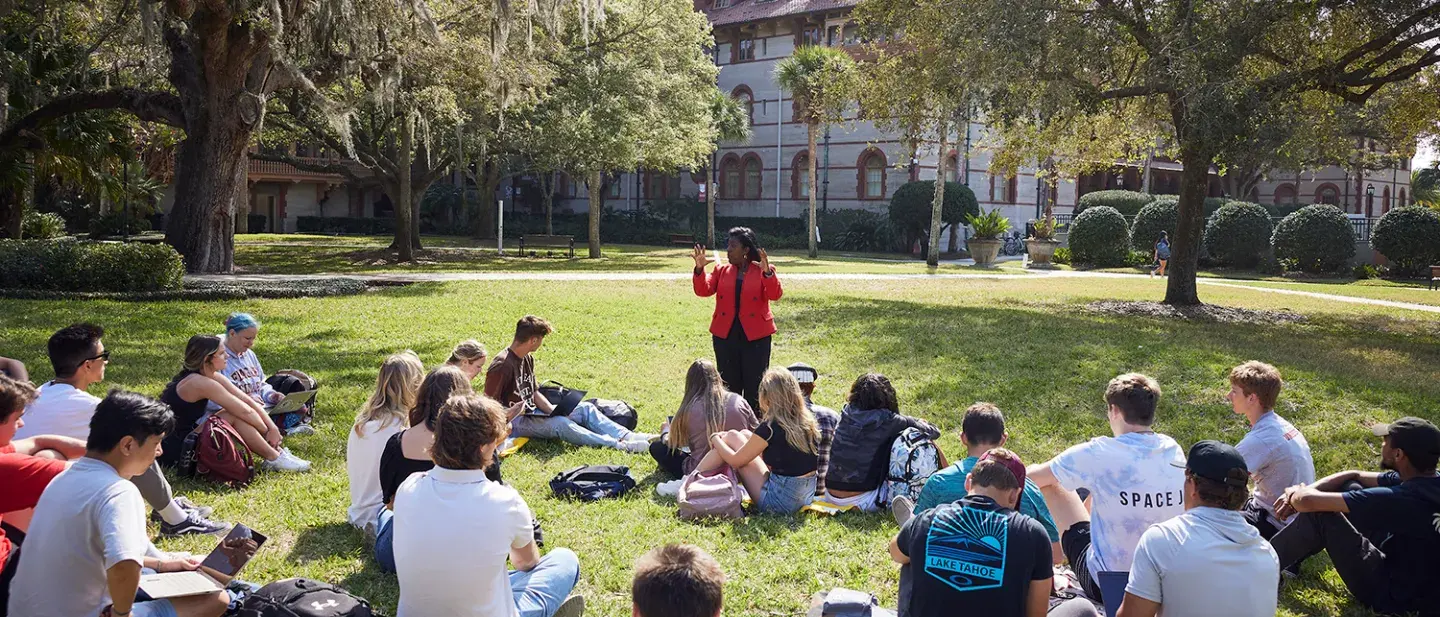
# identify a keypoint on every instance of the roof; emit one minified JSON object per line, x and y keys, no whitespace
{"x":743,"y":11}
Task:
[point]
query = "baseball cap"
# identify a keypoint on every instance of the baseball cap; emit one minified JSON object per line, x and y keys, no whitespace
{"x":1214,"y":461}
{"x":1411,"y":435}
{"x":804,"y":373}
{"x":1012,"y":462}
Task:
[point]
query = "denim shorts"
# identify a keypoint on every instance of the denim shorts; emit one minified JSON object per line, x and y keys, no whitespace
{"x":786,"y":494}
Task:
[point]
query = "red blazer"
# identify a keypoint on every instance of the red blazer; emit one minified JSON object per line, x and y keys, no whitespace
{"x":759,"y":290}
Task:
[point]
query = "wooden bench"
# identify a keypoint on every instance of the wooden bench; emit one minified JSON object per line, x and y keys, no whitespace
{"x":682,"y":239}
{"x":1434,"y":277}
{"x":541,"y":241}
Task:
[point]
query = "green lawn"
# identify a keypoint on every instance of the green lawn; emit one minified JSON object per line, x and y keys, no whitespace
{"x":1022,"y":343}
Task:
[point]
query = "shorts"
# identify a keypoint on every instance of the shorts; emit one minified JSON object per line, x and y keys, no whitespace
{"x":786,"y":494}
{"x":1259,"y":518}
{"x":868,"y":501}
{"x":1075,"y":543}
{"x":153,"y":608}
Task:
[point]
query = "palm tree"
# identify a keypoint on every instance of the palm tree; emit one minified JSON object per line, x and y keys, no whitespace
{"x":821,"y":79}
{"x":1425,"y":185}
{"x":732,"y":123}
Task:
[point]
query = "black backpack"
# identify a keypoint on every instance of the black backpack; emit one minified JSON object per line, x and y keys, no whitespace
{"x":619,"y":412}
{"x":592,"y":482}
{"x":302,"y":597}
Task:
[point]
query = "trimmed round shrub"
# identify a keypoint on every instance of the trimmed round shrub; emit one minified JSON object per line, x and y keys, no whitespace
{"x":1316,"y":238}
{"x":911,"y":205}
{"x":1127,"y":203}
{"x":1099,"y":237}
{"x":42,"y":225}
{"x":1157,"y":216}
{"x":68,"y":265}
{"x":1238,"y":234}
{"x":1410,"y":238}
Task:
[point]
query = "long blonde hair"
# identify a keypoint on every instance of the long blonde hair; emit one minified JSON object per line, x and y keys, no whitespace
{"x":704,"y":389}
{"x":782,"y":403}
{"x":395,"y":391}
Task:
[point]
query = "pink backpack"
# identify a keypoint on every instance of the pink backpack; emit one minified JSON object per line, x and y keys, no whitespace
{"x":713,"y":494}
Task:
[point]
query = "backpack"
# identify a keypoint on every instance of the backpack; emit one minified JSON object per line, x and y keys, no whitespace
{"x":592,"y":482}
{"x":913,"y":457}
{"x":291,"y":380}
{"x":714,"y":493}
{"x":215,"y":451}
{"x":302,"y":597}
{"x":619,"y":412}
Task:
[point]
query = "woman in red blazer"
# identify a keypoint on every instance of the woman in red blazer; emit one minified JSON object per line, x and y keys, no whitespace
{"x":742,"y":323}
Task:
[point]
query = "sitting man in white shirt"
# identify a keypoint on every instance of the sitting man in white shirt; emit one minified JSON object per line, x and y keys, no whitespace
{"x":88,"y":537}
{"x":1209,"y":560}
{"x":1275,"y":452}
{"x":454,"y":529}
{"x":64,"y":408}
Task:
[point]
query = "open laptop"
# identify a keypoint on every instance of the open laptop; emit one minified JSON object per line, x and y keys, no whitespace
{"x":563,"y":400}
{"x":215,"y":572}
{"x":292,"y":402}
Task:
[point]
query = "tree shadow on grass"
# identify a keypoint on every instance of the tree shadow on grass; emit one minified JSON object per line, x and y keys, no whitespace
{"x":329,"y":540}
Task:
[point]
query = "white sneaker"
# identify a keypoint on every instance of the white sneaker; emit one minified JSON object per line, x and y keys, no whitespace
{"x":300,"y":429}
{"x":634,"y":447}
{"x":669,"y":489}
{"x":645,"y":437}
{"x":573,"y":606}
{"x":287,"y":462}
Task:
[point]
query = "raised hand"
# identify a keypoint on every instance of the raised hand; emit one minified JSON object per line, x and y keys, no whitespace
{"x":700,"y":258}
{"x":764,"y":262}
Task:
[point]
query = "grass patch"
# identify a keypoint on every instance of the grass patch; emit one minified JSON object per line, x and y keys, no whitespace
{"x":1022,"y":343}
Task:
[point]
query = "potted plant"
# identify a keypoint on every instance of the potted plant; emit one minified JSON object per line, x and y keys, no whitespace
{"x":1041,"y":244}
{"x":986,"y":243}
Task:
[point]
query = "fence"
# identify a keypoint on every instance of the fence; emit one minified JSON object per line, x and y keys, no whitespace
{"x":1361,"y":226}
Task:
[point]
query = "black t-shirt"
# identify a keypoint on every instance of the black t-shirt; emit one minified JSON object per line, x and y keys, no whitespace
{"x":975,"y":554}
{"x":1402,"y":519}
{"x":395,"y":468}
{"x":780,"y":456}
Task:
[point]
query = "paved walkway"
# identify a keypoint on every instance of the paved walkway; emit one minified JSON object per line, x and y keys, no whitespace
{"x":422,"y":277}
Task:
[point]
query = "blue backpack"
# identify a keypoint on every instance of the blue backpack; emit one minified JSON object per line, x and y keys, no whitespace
{"x":592,"y":482}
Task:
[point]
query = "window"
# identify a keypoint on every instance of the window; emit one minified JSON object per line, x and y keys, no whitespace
{"x":812,"y":35}
{"x":1403,"y":203}
{"x":745,"y":50}
{"x":952,"y":169}
{"x":722,"y":4}
{"x":1328,"y":194}
{"x":615,"y":186}
{"x":1385,"y":201}
{"x":872,"y":174}
{"x":1012,"y":195}
{"x":1285,"y":195}
{"x":800,"y":177}
{"x":834,"y":35}
{"x":753,"y":177}
{"x":746,"y":98}
{"x":730,"y":177}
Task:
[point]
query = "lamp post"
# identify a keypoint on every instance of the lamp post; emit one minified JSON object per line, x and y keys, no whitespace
{"x":825,"y":183}
{"x":1369,"y":199}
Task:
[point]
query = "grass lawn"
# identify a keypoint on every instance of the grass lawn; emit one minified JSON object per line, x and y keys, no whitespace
{"x":1022,"y":343}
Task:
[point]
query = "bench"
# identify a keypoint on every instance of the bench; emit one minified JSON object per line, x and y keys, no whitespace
{"x":1434,"y":276}
{"x":542,"y":241}
{"x":682,"y":239}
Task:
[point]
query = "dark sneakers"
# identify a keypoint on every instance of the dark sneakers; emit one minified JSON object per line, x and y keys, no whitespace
{"x":194,"y":524}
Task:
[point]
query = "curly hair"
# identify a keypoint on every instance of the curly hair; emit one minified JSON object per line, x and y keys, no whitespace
{"x":873,"y":391}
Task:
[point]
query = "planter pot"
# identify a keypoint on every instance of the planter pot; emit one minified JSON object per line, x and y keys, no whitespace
{"x":985,"y":250}
{"x":1041,"y":251}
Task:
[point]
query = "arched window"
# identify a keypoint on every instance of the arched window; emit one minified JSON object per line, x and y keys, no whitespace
{"x":1327,"y":194}
{"x":872,"y":174}
{"x":1403,"y":202}
{"x":952,"y":168}
{"x":753,"y":177}
{"x":730,"y":177}
{"x":800,"y":176}
{"x":1012,"y":193}
{"x":1385,"y":201}
{"x":743,"y":94}
{"x":1285,"y":195}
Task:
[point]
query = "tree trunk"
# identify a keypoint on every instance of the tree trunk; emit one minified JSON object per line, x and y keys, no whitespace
{"x":1185,"y":250}
{"x":210,"y":170}
{"x":810,"y":128}
{"x":710,"y":205}
{"x":547,"y":200}
{"x":937,"y":206}
{"x":489,"y":179}
{"x":593,"y":183}
{"x":11,"y":213}
{"x":403,"y":211}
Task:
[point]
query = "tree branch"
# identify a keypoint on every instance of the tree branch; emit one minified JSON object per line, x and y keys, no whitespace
{"x":161,"y":107}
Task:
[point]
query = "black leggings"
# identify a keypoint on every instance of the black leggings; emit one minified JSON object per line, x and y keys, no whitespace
{"x":670,"y":461}
{"x":742,"y":363}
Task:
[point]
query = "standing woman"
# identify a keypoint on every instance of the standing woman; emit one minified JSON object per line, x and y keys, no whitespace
{"x":742,"y":324}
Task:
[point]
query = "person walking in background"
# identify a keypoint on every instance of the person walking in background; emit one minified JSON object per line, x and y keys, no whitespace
{"x":742,"y":324}
{"x":1162,"y":254}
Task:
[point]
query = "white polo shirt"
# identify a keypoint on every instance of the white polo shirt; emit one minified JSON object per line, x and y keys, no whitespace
{"x":59,"y":410}
{"x":454,"y":530}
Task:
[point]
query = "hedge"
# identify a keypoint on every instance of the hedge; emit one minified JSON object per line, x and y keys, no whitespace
{"x":1127,"y":203}
{"x":1410,"y":238}
{"x":1316,"y":238}
{"x":42,"y":225}
{"x":346,"y":225}
{"x":913,"y":202}
{"x":1239,"y":234}
{"x":68,"y":265}
{"x":1157,"y":216}
{"x":1099,"y":237}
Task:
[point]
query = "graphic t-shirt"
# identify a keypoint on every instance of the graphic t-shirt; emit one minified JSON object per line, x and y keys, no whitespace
{"x":974,"y":554}
{"x":511,"y":378}
{"x":1402,"y":519}
{"x":948,"y":486}
{"x":1133,"y":485}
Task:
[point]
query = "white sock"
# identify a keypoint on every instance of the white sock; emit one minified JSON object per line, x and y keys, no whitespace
{"x":173,"y":513}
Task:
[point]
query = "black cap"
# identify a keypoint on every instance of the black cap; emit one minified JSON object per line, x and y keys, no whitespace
{"x":1214,"y":460}
{"x":1411,"y":435}
{"x":804,"y":373}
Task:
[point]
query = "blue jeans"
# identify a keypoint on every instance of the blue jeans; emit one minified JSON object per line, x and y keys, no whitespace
{"x":786,"y":494}
{"x":586,"y":426}
{"x":539,"y":592}
{"x":385,"y":540}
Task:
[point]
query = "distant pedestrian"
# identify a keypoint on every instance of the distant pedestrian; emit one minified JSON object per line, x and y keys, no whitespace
{"x":1162,"y":254}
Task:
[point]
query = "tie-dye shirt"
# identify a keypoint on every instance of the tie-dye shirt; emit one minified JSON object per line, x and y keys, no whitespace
{"x":1133,"y":486}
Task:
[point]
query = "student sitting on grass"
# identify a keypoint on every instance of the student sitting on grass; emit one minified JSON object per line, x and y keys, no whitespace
{"x":1131,"y":480}
{"x":1275,"y":452}
{"x":90,"y":523}
{"x":64,"y":408}
{"x":677,"y":580}
{"x":243,"y":368}
{"x":470,"y":357}
{"x":777,"y":462}
{"x":385,"y":414}
{"x":707,"y":408}
{"x":1209,"y":560}
{"x":511,"y":381}
{"x":1381,"y":530}
{"x":860,"y":454}
{"x":201,"y":382}
{"x":454,"y":529}
{"x":982,"y":430}
{"x":826,"y":417}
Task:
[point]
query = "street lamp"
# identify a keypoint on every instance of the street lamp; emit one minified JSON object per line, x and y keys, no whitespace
{"x":1369,"y":199}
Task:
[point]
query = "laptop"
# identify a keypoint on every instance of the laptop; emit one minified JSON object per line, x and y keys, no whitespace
{"x":214,"y":574}
{"x":563,"y":399}
{"x":292,"y":402}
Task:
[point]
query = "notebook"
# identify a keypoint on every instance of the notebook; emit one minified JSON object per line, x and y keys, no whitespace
{"x":292,"y":402}
{"x":215,"y":572}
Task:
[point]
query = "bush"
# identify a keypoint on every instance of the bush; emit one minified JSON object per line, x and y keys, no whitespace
{"x":116,"y":224}
{"x":1211,"y":203}
{"x":1316,"y":238}
{"x":1099,"y":237}
{"x":912,"y":204}
{"x":1365,"y":271}
{"x":67,"y":265}
{"x":1061,"y":257}
{"x":42,"y":225}
{"x":1157,"y":216}
{"x":360,"y":225}
{"x":1410,"y":238}
{"x":853,"y":229}
{"x":1127,"y":203}
{"x":255,"y":223}
{"x":1239,"y":234}
{"x":1140,"y":259}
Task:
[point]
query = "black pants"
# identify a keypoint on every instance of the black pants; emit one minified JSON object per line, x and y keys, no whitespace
{"x":742,"y":363}
{"x":670,"y":461}
{"x":12,"y":563}
{"x":1357,"y":561}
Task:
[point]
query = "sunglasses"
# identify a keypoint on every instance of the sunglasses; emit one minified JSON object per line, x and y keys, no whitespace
{"x":104,"y":355}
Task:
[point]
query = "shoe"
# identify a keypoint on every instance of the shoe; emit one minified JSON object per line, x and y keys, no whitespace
{"x":573,"y":606}
{"x":287,"y":462}
{"x":635,"y":447}
{"x":645,"y":437}
{"x":204,"y":511}
{"x":300,"y":429}
{"x":194,"y":524}
{"x":669,"y":489}
{"x":903,"y":508}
